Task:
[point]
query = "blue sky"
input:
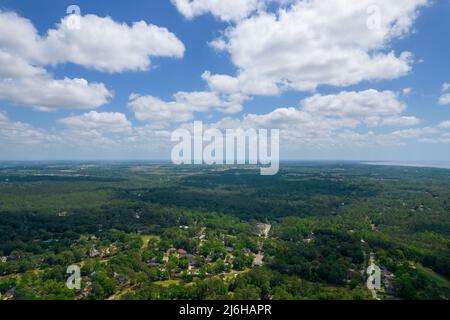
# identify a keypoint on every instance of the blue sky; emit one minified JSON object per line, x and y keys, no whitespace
{"x":334,"y":97}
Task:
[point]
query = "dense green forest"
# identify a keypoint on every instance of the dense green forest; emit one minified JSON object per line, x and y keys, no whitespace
{"x":157,"y":231}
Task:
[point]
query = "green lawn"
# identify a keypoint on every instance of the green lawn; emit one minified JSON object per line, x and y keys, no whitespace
{"x":167,"y":283}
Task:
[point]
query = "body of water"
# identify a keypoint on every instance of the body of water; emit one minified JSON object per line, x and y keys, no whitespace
{"x":416,"y":164}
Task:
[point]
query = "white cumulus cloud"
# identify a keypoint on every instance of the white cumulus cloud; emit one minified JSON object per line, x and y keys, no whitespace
{"x":369,"y":106}
{"x":114,"y":122}
{"x":444,"y":99}
{"x":183,"y":108}
{"x":319,"y":42}
{"x":20,"y":133}
{"x":223,"y":9}
{"x":100,"y":43}
{"x":106,"y":45}
{"x":403,"y":121}
{"x":445,"y":124}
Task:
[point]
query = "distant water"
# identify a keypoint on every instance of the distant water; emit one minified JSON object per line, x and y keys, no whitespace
{"x":416,"y":164}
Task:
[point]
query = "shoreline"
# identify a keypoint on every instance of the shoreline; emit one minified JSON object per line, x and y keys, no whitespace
{"x":418,"y":164}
